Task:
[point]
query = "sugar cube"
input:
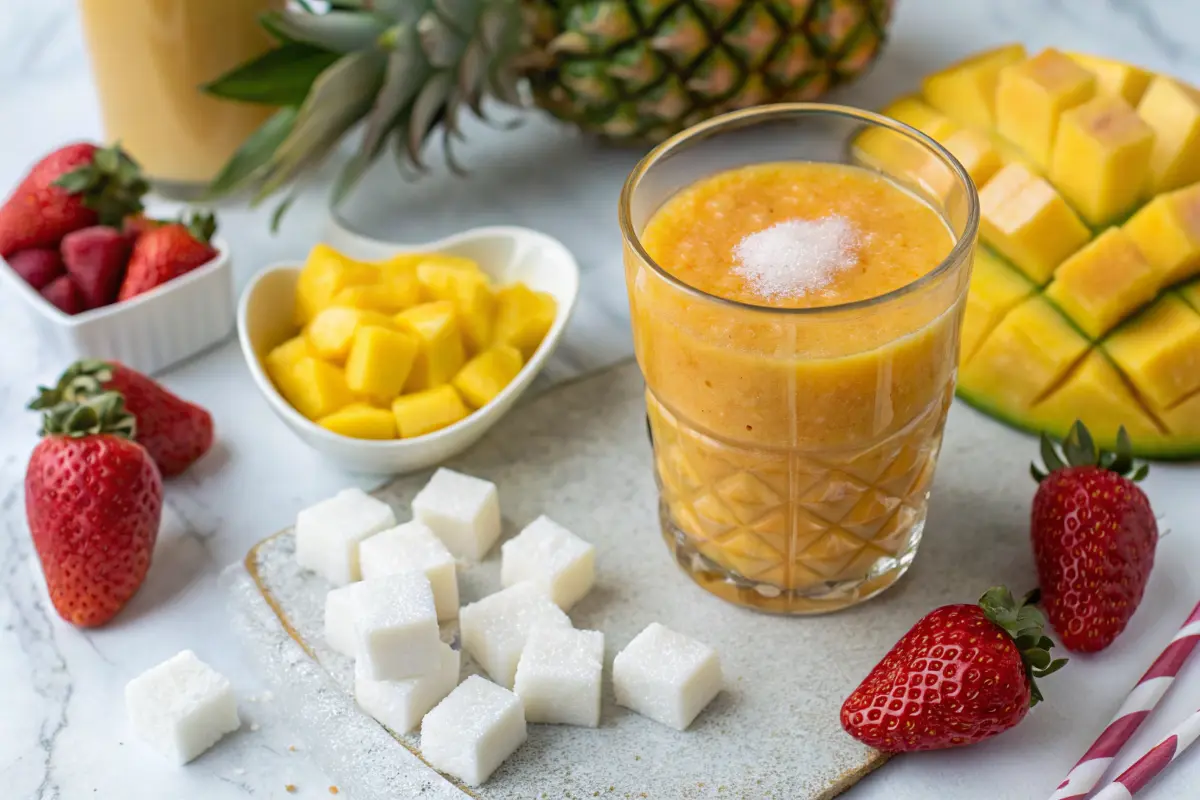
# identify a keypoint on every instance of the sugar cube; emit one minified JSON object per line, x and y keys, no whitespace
{"x":666,"y":676}
{"x":181,"y":707}
{"x":401,"y":704}
{"x":552,"y":557}
{"x":413,"y":546}
{"x":558,"y":676}
{"x":462,"y":510}
{"x":397,"y":629}
{"x":494,"y":630}
{"x":327,"y":534}
{"x":471,"y":732}
{"x":340,"y":625}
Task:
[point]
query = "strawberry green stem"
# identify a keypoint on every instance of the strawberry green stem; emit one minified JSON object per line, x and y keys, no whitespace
{"x":1026,"y":625}
{"x":101,"y":413}
{"x":1079,"y":450}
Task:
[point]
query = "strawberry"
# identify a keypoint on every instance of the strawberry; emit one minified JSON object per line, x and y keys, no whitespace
{"x":137,"y":224}
{"x":72,"y":188}
{"x":168,"y":251}
{"x":1094,"y":537}
{"x":63,"y":295}
{"x":175,"y":432}
{"x":93,"y":498}
{"x":37,"y":265}
{"x":962,"y":674}
{"x":95,"y":258}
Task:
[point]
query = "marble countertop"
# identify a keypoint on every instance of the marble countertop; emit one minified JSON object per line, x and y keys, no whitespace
{"x":62,"y":728}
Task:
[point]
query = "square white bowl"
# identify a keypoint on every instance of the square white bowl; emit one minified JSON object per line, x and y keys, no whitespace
{"x":149,"y":332}
{"x":505,"y":253}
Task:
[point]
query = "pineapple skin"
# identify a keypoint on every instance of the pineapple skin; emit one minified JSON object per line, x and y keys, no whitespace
{"x":643,"y":70}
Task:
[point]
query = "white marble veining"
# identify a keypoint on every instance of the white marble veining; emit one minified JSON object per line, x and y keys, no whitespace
{"x":62,"y":729}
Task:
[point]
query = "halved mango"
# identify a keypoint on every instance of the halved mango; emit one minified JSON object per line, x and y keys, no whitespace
{"x":428,"y":411}
{"x":1028,"y":222}
{"x":976,"y":152}
{"x":912,"y":111}
{"x":965,"y":91}
{"x":1167,"y":231}
{"x":1115,"y":78}
{"x":1102,"y":158}
{"x":1104,"y":282}
{"x":1094,"y":392}
{"x":1159,"y":350}
{"x":440,"y":353}
{"x":486,"y":375}
{"x":1030,"y":350}
{"x":1172,"y":109}
{"x":316,"y":388}
{"x":332,"y":330}
{"x":523,"y":317}
{"x":380,"y":362}
{"x":327,"y":272}
{"x":1033,"y":94}
{"x":995,"y":289}
{"x":1191,"y":294}
{"x":361,"y":421}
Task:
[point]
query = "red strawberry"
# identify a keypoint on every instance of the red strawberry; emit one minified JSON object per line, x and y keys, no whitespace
{"x":63,"y":295}
{"x":137,"y":224}
{"x":93,"y":498}
{"x":962,"y":674}
{"x":175,"y":432}
{"x":1094,"y":537}
{"x":96,"y":259}
{"x":37,"y":266}
{"x":72,"y":188}
{"x":166,"y":252}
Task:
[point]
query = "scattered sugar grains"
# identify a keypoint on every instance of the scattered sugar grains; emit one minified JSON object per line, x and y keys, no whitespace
{"x":798,"y":256}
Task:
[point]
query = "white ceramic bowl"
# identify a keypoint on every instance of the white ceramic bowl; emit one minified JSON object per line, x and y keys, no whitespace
{"x":506,"y":254}
{"x":149,"y":332}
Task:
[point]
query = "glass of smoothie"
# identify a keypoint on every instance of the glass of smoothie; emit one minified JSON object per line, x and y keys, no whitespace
{"x":796,"y":278}
{"x":149,"y":59}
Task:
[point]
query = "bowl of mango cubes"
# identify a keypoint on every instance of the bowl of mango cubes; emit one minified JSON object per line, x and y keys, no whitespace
{"x":387,"y":359}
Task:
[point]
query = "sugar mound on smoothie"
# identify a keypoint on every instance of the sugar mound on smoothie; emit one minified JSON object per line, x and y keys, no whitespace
{"x":798,"y":256}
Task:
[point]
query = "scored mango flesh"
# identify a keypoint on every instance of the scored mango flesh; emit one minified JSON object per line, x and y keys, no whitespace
{"x":405,"y":346}
{"x":1085,"y":295}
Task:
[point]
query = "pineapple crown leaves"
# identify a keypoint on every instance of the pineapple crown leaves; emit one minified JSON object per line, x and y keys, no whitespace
{"x":1079,"y":450}
{"x":103,"y":413}
{"x":1026,"y":625}
{"x":81,"y":380}
{"x":112,"y":185}
{"x":403,"y":68}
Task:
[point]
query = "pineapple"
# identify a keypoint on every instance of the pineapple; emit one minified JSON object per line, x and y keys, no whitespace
{"x":626,"y":70}
{"x":1085,"y":297}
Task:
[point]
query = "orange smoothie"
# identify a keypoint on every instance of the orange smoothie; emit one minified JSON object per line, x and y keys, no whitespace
{"x":149,"y":58}
{"x":795,"y":435}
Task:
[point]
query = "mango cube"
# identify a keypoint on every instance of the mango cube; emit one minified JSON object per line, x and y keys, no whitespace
{"x":471,"y":295}
{"x":1030,"y":350}
{"x":965,"y":90}
{"x":428,"y":411}
{"x":316,"y":388}
{"x":382,"y":298}
{"x":523,"y":317}
{"x":327,"y":272}
{"x":1191,"y":294}
{"x":361,"y":421}
{"x":486,"y":375}
{"x":433,"y":273}
{"x":1104,"y":282}
{"x":380,"y":361}
{"x":976,"y":152}
{"x":1032,"y":95}
{"x":1097,"y":393}
{"x":399,"y":274}
{"x":1172,"y":109}
{"x":995,"y":289}
{"x":282,"y":358}
{"x":1028,"y":222}
{"x":1101,"y":158}
{"x":439,"y":339}
{"x":1167,"y":231}
{"x":912,"y":111}
{"x":1115,"y":78}
{"x":1160,"y":351}
{"x":332,"y":330}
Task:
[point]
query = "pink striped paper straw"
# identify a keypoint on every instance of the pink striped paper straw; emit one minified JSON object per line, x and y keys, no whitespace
{"x":1084,"y":776}
{"x":1146,"y":768}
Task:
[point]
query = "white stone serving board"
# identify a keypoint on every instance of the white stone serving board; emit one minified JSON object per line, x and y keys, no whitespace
{"x":580,"y":454}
